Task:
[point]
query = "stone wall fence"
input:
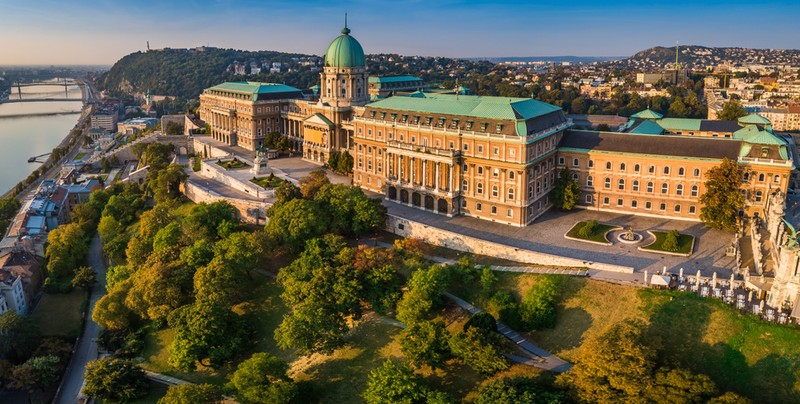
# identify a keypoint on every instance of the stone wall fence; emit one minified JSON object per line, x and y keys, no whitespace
{"x":455,"y":241}
{"x":249,"y":211}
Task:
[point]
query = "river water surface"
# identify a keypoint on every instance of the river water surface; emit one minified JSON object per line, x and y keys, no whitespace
{"x":22,"y":137}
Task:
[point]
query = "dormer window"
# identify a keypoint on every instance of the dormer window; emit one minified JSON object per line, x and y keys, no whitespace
{"x":764,"y":152}
{"x":428,"y":120}
{"x":405,"y":117}
{"x":441,"y":122}
{"x":372,"y":114}
{"x":416,"y":119}
{"x":394,"y":116}
{"x":454,"y":123}
{"x":469,"y":125}
{"x":484,"y":126}
{"x":383,"y":115}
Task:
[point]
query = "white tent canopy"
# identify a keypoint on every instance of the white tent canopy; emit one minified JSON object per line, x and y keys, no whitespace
{"x":658,"y":280}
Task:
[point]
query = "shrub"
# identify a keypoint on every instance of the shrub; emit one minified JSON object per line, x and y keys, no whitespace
{"x":671,"y":241}
{"x":482,"y":321}
{"x":588,"y":229}
{"x":538,"y":310}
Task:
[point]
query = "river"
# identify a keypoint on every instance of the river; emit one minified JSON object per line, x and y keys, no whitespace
{"x":22,"y":137}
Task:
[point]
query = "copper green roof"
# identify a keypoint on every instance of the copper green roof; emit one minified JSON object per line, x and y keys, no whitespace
{"x":467,"y":105}
{"x":754,"y":119}
{"x":393,"y":79}
{"x":254,"y":88}
{"x":647,"y":114}
{"x":752,"y":134}
{"x":344,"y":51}
{"x":647,"y":128}
{"x":673,"y":124}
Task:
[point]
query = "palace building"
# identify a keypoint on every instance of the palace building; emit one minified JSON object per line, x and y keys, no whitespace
{"x":495,"y":158}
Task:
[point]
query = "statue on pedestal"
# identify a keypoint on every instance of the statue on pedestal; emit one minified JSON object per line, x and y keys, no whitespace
{"x":260,"y":162}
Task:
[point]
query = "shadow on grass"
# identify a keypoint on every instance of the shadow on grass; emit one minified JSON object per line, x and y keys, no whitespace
{"x":680,"y":326}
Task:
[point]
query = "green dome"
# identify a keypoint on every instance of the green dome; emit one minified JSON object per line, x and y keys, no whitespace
{"x":345,"y":51}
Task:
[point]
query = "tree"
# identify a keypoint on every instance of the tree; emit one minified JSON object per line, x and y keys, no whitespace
{"x":283,"y":194}
{"x":588,"y":229}
{"x":518,"y":390}
{"x":349,"y":210}
{"x":110,"y":312}
{"x":425,"y":289}
{"x":394,"y":382}
{"x":345,"y":163}
{"x":160,"y":286}
{"x":671,"y":241}
{"x":65,"y":251}
{"x":209,"y":220}
{"x":681,"y":386}
{"x":311,"y":328}
{"x":19,"y":336}
{"x":191,"y":394}
{"x":722,"y":199}
{"x":480,"y":350}
{"x":677,"y":109}
{"x":37,"y":372}
{"x":219,"y":283}
{"x":114,"y":379}
{"x":295,"y":222}
{"x":8,"y":209}
{"x":565,"y":191}
{"x":262,"y":379}
{"x":612,"y":367}
{"x":206,"y":333}
{"x":538,"y":309}
{"x":310,"y":185}
{"x":85,"y":278}
{"x":425,"y":343}
{"x":240,"y":250}
{"x":167,"y":184}
{"x":578,"y":105}
{"x":731,"y":111}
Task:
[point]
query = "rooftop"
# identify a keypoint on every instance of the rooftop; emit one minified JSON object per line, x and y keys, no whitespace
{"x":255,"y":88}
{"x":467,"y":105}
{"x":678,"y":146}
{"x":393,"y":79}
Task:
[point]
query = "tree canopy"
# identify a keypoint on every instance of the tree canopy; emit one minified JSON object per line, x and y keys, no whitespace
{"x":722,"y":199}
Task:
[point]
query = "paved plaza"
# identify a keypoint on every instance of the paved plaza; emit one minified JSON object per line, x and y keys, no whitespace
{"x":546,"y":235}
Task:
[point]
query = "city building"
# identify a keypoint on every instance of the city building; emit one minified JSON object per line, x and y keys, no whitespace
{"x":486,"y":157}
{"x":136,"y":125}
{"x":382,"y":87}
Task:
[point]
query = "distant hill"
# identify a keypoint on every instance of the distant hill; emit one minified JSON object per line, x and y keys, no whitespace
{"x":185,"y":73}
{"x":551,"y":59}
{"x":698,"y":57}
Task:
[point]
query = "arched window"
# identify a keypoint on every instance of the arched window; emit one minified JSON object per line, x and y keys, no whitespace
{"x":666,"y":170}
{"x":636,"y":168}
{"x":635,"y":187}
{"x":575,"y":176}
{"x":746,"y":177}
{"x":621,"y":184}
{"x":664,"y":188}
{"x":759,"y":196}
{"x":677,"y":208}
{"x":761,"y":177}
{"x":622,"y":166}
{"x":511,"y":175}
{"x":649,"y":187}
{"x":494,"y":191}
{"x":479,"y":188}
{"x":607,"y":183}
{"x":776,"y":179}
{"x":511,"y":194}
{"x":575,"y":162}
{"x":679,"y":190}
{"x":694,"y":190}
{"x":608,"y":165}
{"x":696,"y":172}
{"x":681,"y":171}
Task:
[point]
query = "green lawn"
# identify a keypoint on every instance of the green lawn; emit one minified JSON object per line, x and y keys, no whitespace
{"x":265,"y":182}
{"x":738,"y":352}
{"x":685,"y":243}
{"x":232,"y":164}
{"x":79,"y":156}
{"x":599,"y":235}
{"x":60,"y":314}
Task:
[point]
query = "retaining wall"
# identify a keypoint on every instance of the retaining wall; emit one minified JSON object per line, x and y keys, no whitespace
{"x":444,"y":238}
{"x":249,"y":211}
{"x":210,"y":169}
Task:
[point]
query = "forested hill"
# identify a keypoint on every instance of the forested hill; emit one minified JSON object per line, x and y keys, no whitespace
{"x":695,"y":56}
{"x":185,"y":73}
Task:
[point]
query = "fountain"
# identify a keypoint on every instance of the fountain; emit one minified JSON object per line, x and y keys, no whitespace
{"x":628,"y":236}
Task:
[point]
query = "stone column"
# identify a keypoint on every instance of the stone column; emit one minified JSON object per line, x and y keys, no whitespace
{"x":424,"y":173}
{"x":450,"y":182}
{"x":436,"y":178}
{"x":411,"y":171}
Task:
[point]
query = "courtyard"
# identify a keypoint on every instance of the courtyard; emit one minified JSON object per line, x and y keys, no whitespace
{"x":546,"y":235}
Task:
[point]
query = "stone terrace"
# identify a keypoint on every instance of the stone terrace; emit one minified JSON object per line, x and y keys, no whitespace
{"x":546,"y":235}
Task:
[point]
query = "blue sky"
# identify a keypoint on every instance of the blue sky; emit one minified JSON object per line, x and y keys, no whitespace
{"x":102,"y":31}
